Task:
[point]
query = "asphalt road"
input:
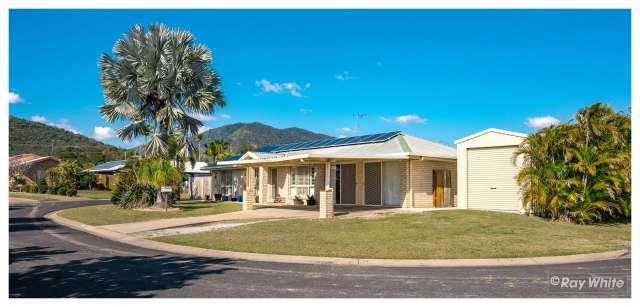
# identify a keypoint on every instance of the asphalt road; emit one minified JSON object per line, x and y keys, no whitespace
{"x":50,"y":260}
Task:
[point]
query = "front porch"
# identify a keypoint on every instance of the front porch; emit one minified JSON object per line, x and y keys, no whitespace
{"x":327,"y":185}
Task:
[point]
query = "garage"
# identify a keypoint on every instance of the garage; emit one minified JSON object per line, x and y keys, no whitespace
{"x":486,"y":173}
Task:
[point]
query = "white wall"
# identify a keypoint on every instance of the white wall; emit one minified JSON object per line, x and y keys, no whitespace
{"x":487,"y":138}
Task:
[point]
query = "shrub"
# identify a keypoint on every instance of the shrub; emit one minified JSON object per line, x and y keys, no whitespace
{"x":138,"y":196}
{"x":62,"y":191}
{"x":311,"y":201}
{"x":579,"y":171}
{"x":100,"y":187}
{"x":42,"y":186}
{"x":116,"y":195}
{"x":29,"y":188}
{"x":53,"y":190}
{"x":72,"y":192}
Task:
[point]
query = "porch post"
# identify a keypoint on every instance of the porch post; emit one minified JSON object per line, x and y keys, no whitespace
{"x":326,"y":196}
{"x":249,"y":193}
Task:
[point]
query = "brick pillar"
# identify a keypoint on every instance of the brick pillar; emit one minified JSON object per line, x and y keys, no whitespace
{"x":326,"y":204}
{"x":249,"y":193}
{"x":359,"y":183}
{"x":248,"y":199}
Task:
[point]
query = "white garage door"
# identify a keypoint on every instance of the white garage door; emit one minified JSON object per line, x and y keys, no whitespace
{"x":491,"y":179}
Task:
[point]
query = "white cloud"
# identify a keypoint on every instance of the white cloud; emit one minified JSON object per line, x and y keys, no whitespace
{"x":203,"y":129}
{"x":63,"y":123}
{"x":103,"y":133}
{"x":406,"y":119}
{"x":39,"y":119}
{"x":346,"y":129}
{"x":305,"y":111}
{"x":209,"y":117}
{"x":541,"y":121}
{"x":15,"y":98}
{"x":344,"y":76}
{"x":293,"y":88}
{"x":342,"y":136}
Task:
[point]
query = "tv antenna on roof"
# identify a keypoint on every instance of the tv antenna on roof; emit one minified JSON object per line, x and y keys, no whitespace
{"x":358,"y":117}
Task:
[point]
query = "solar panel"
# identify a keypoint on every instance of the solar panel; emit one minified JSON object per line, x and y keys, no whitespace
{"x":371,"y":138}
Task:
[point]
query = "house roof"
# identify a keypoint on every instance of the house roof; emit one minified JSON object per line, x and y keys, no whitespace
{"x":494,"y":130}
{"x":113,"y":166}
{"x":29,"y":158}
{"x":391,"y":145}
{"x":106,"y":167}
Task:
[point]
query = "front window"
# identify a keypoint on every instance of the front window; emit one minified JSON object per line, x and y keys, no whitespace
{"x":302,"y":180}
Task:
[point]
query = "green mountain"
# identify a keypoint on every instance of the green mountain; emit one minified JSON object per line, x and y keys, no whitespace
{"x":243,"y":136}
{"x":26,"y":136}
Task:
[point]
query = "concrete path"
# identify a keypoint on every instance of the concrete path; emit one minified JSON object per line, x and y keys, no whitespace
{"x":267,"y":213}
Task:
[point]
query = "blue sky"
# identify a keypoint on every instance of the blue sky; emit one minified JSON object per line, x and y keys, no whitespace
{"x":438,"y":74}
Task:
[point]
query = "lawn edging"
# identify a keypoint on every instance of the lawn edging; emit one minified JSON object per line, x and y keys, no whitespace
{"x":203,"y":252}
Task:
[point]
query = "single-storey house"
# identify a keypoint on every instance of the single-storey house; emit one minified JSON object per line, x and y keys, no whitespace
{"x":33,"y":167}
{"x":391,"y":169}
{"x":108,"y":173}
{"x":198,"y":183}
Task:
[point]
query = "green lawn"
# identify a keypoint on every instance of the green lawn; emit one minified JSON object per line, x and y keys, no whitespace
{"x":431,"y":235}
{"x":95,"y":194}
{"x":110,"y":214}
{"x":32,"y":196}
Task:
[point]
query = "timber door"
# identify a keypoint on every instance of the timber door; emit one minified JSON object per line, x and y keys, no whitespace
{"x":438,"y":188}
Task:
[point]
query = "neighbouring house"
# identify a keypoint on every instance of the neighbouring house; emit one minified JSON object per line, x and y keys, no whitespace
{"x":32,"y":167}
{"x":108,"y":173}
{"x":486,"y":171}
{"x":198,"y":183}
{"x":391,"y":169}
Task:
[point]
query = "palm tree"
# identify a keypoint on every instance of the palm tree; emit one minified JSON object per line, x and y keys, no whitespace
{"x":218,"y":150}
{"x":199,"y":138}
{"x":159,"y":80}
{"x":158,"y":173}
{"x":579,"y":171}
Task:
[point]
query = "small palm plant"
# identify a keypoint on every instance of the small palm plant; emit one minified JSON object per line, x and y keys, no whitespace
{"x":159,"y":173}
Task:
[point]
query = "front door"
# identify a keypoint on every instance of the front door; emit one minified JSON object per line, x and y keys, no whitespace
{"x":348,"y":184}
{"x":438,"y":188}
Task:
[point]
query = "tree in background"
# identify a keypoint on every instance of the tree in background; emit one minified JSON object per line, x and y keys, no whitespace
{"x":66,"y":175}
{"x":160,"y":80}
{"x":579,"y":171}
{"x":244,"y":148}
{"x":199,"y":138}
{"x":218,"y":150}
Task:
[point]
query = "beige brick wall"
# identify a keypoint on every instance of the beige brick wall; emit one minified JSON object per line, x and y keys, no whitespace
{"x":421,"y":181}
{"x":360,"y":183}
{"x":283,"y":181}
{"x":319,"y":184}
{"x":404,"y":184}
{"x":264,"y":185}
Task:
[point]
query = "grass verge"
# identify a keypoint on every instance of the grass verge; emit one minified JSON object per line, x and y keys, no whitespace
{"x":95,"y":194}
{"x":432,"y":235}
{"x":33,"y":196}
{"x":110,"y":214}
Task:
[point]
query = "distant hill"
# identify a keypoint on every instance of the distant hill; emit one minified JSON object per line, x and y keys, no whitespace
{"x":26,"y":136}
{"x":242,"y":135}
